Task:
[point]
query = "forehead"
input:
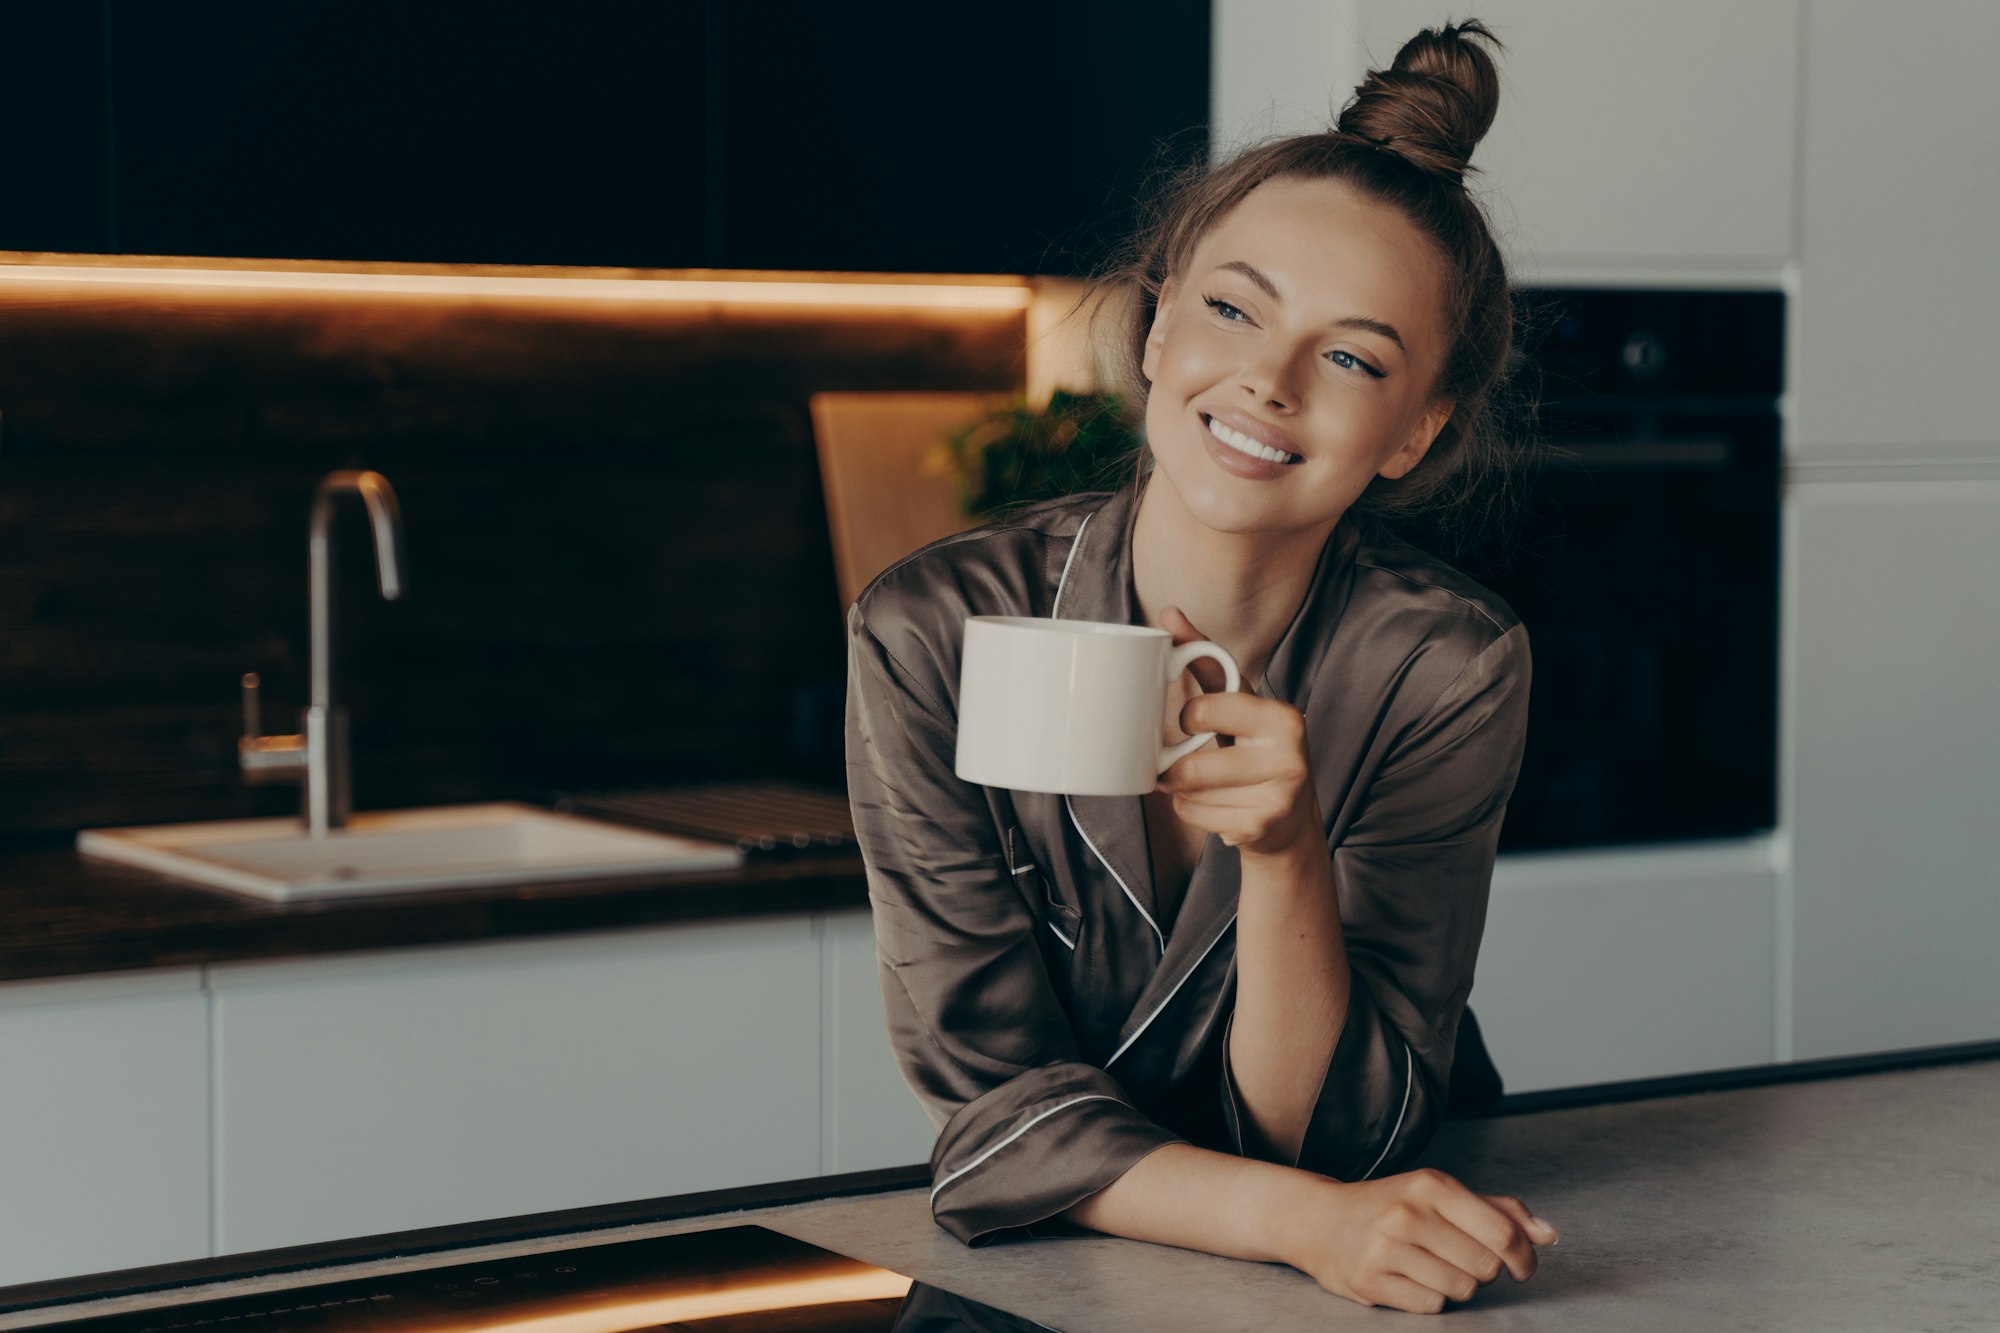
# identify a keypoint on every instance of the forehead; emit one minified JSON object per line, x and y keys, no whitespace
{"x":1331,"y":251}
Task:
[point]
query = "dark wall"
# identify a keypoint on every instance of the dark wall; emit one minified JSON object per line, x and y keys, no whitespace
{"x":619,"y":565}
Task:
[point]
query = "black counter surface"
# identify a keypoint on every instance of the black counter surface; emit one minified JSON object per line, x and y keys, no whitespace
{"x":66,"y":914}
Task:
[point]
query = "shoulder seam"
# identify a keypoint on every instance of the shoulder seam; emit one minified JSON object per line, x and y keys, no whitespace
{"x":1415,"y":583}
{"x":908,"y":674}
{"x":1470,"y":663}
{"x":979,"y":533}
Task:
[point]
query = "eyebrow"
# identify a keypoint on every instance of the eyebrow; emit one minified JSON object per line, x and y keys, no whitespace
{"x":1376,"y":326}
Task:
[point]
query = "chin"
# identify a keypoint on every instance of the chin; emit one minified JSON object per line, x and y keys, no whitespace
{"x":1215,"y":500}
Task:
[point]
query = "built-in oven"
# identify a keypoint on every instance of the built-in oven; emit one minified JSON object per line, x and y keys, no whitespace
{"x":1645,"y":565}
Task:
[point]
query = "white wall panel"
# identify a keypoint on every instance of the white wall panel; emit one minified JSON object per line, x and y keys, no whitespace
{"x":872,"y":1118}
{"x":410,"y":1088}
{"x":1899,"y":293}
{"x":1895,"y":770}
{"x":1599,"y":967}
{"x":103,"y":1123}
{"x":1647,"y":136}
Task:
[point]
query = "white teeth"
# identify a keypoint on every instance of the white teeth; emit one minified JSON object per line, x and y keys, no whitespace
{"x":1244,"y":444}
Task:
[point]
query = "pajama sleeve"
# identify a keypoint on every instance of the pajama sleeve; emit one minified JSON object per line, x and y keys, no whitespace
{"x":1025,"y":1127}
{"x":1413,"y":874}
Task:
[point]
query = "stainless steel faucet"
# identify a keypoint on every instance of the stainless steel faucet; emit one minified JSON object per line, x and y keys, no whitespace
{"x":318,"y":757}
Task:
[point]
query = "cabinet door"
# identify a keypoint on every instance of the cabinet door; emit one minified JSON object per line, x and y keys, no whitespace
{"x":1894,"y":763}
{"x":1608,"y":966}
{"x":103,"y":1124}
{"x":413,"y":1088}
{"x":364,"y":129}
{"x":909,"y":137}
{"x":872,"y":1118}
{"x":1899,"y":293}
{"x":1660,"y":135}
{"x":52,"y":110}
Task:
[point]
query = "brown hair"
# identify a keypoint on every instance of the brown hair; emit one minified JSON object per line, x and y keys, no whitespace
{"x":1404,"y":139}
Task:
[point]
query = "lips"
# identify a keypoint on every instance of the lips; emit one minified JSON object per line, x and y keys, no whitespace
{"x":1234,"y":461}
{"x":1270,"y":437}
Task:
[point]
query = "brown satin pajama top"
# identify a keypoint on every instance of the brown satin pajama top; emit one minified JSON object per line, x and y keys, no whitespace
{"x":1054,"y":1020}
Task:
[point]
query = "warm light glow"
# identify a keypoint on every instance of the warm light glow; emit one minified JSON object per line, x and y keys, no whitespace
{"x":870,"y":1285}
{"x":677,"y":290}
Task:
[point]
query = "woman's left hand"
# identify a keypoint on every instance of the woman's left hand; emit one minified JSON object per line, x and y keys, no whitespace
{"x":1257,"y":794}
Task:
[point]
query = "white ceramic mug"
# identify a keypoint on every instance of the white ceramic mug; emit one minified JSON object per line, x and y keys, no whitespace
{"x":1071,"y":706}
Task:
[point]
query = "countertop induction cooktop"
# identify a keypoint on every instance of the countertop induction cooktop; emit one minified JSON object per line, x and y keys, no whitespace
{"x":741,"y":1279}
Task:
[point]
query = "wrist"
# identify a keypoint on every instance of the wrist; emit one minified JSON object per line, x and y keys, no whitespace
{"x":1285,"y":1210}
{"x":1304,"y":861}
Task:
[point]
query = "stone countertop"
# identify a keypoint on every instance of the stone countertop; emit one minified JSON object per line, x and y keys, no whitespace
{"x":1867,"y":1202}
{"x":66,"y":914}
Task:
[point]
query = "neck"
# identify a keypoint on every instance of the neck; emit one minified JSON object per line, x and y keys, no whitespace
{"x":1240,"y":589}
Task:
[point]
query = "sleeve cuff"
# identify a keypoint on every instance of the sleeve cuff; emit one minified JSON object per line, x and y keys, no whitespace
{"x":1034,"y":1146}
{"x":1375,"y":1108}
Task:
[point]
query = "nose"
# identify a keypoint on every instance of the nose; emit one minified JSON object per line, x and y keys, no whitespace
{"x":1267,"y":379}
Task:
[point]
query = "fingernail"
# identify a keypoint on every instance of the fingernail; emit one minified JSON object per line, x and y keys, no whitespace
{"x":1544,"y":1225}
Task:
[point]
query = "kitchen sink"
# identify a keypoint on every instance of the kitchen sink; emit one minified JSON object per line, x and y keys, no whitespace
{"x":497,"y":843}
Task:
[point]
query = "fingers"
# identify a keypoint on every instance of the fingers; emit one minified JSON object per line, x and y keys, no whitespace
{"x":1401,"y":1293}
{"x":1499,"y":1230}
{"x":1217,"y":801}
{"x":1247,"y":716}
{"x":1469,"y":1256}
{"x":1202,"y":773}
{"x":1539,"y":1230}
{"x":1434,"y":1274}
{"x":1456,"y":1261}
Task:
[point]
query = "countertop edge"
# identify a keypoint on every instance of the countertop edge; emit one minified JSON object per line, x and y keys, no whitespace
{"x":458,"y":1236}
{"x":65,"y":915}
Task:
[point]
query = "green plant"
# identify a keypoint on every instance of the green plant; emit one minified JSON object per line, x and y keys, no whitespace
{"x":1018,"y":455}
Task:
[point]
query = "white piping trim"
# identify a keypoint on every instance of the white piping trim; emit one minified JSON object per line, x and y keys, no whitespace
{"x":1229,"y":1081}
{"x":1022,"y":870}
{"x":1075,"y":544}
{"x":1064,"y":938}
{"x":1409,"y":1077}
{"x":1192,"y":969}
{"x":1157,"y":936}
{"x":1030,"y":1124}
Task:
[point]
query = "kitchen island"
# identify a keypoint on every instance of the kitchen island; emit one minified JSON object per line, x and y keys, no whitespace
{"x":1857,"y":1202}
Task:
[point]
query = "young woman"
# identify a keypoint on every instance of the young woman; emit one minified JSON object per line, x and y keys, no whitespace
{"x":1222,"y":1015}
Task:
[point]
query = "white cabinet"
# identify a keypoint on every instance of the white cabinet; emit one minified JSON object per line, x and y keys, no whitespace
{"x":103,"y":1123}
{"x":1899,"y":289}
{"x":1894,"y":788}
{"x":377,"y":1092}
{"x":1598,"y":967}
{"x":1632,"y":137}
{"x":872,"y":1118}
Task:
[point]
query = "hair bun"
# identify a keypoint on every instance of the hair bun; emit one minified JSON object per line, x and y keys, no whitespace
{"x":1434,"y":103}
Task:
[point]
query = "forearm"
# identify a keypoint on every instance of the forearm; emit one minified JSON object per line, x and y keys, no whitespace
{"x":1292,"y":986}
{"x":1198,"y":1199}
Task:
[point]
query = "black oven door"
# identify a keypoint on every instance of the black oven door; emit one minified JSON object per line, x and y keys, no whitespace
{"x":1645,"y":565}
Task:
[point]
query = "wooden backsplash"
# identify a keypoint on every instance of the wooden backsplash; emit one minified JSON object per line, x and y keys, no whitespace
{"x":618,"y":556}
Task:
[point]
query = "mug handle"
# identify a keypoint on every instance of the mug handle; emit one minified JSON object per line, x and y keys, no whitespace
{"x":1177,"y":662}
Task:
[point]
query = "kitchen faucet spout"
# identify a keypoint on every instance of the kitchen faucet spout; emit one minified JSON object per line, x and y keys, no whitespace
{"x":385,"y":519}
{"x":328,"y":778}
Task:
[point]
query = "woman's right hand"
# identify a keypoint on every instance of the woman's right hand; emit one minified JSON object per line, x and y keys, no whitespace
{"x":1411,"y":1241}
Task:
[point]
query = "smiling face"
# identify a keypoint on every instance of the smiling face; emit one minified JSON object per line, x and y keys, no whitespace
{"x":1308,"y":317}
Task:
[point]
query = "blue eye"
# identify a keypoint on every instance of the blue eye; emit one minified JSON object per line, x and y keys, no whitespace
{"x":1358,"y":362}
{"x":1353,"y":362}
